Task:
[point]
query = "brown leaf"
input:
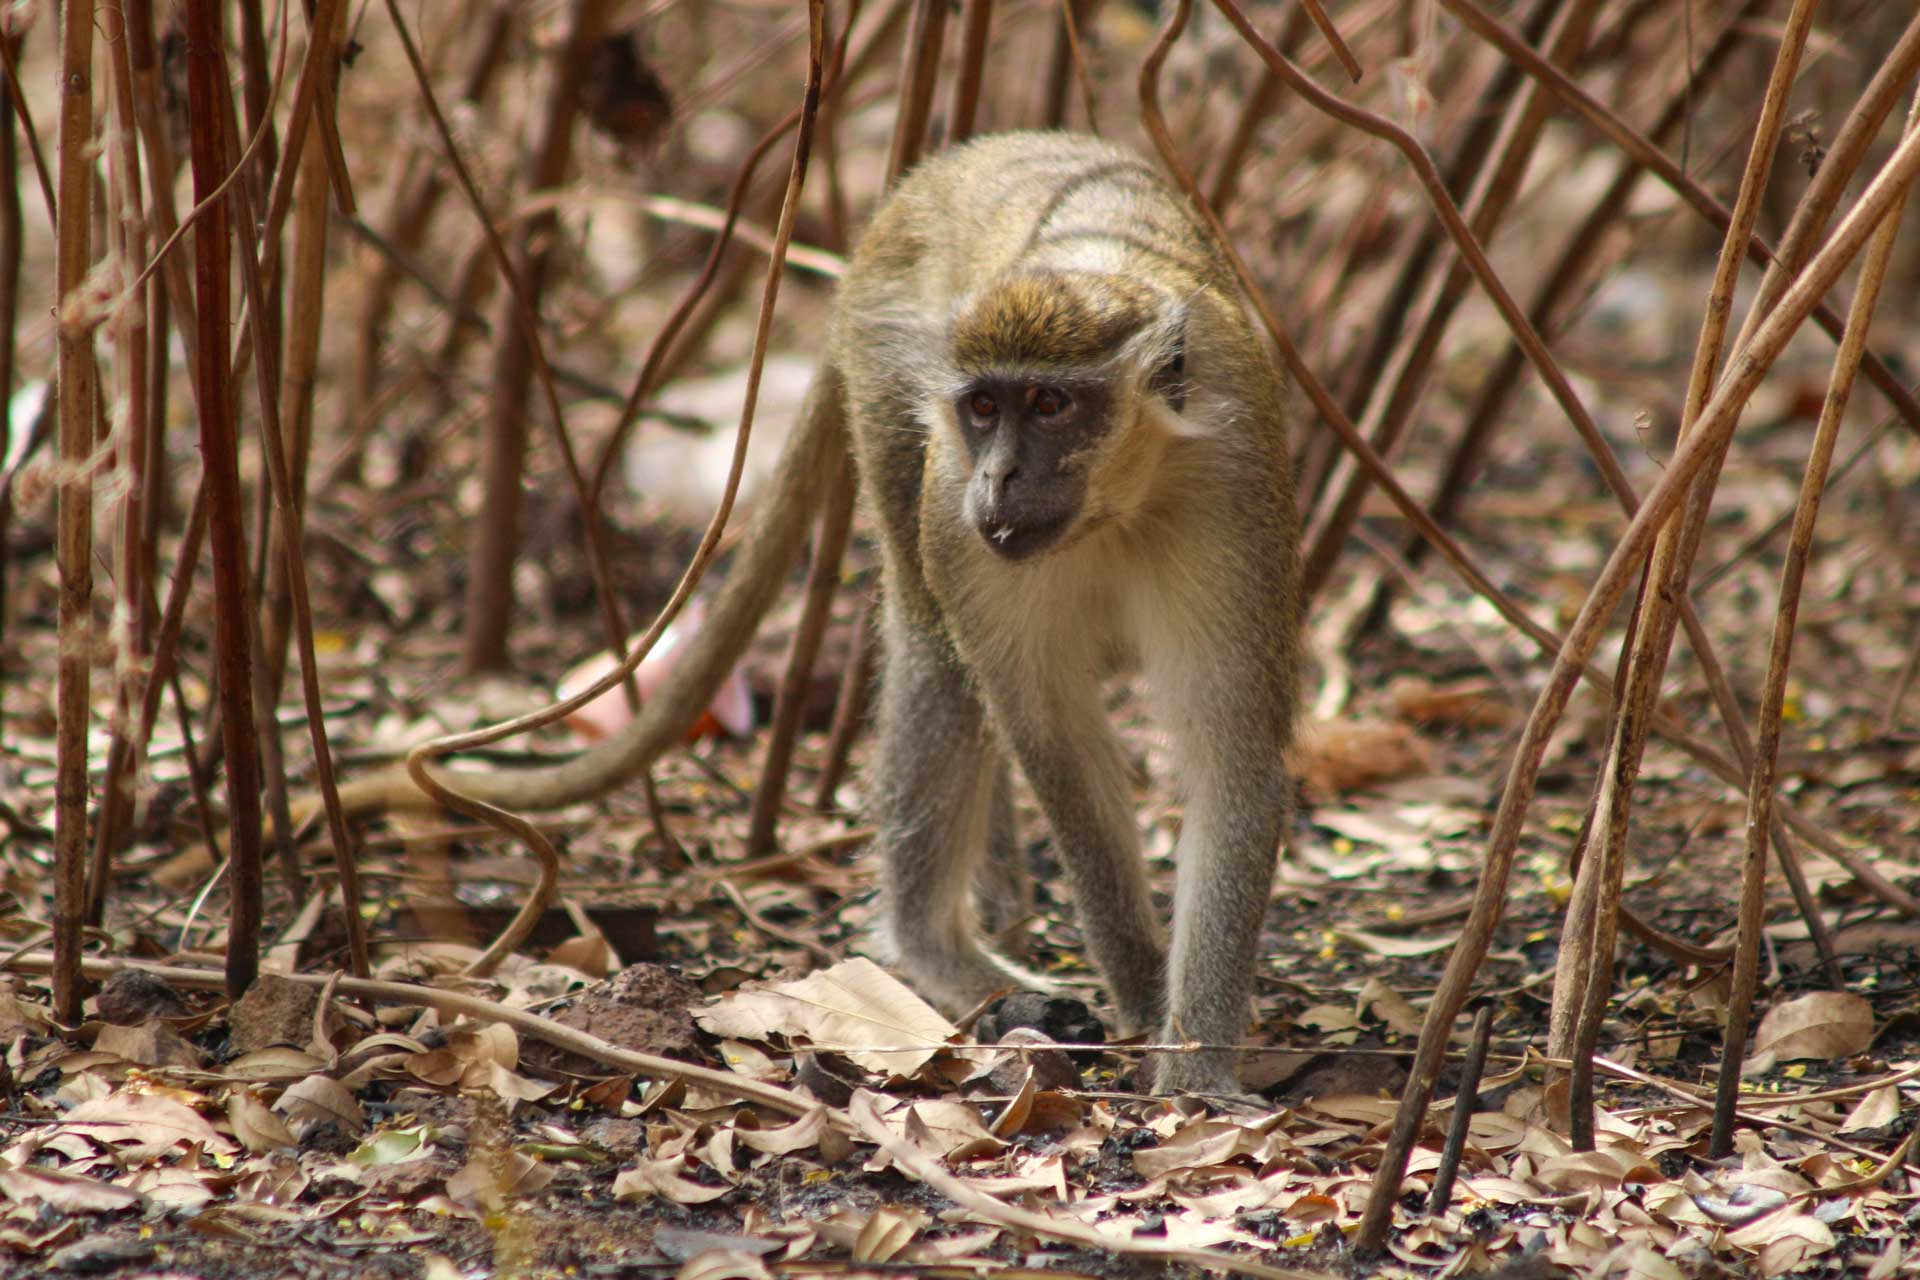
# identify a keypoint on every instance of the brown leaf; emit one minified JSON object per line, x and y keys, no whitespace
{"x":1382,"y":944}
{"x":64,"y":1192}
{"x":151,"y":1044}
{"x":663,"y":1178}
{"x":490,"y":1178}
{"x":1879,"y":1108}
{"x":787,"y":1139}
{"x":1388,"y":1005}
{"x":145,"y":1119}
{"x":318,"y":1099}
{"x":1820,"y":1024}
{"x":855,"y":1006}
{"x":1473,"y":704}
{"x":723,"y":1264}
{"x":1333,"y":757}
{"x":886,"y":1233}
{"x":1783,"y":1242}
{"x":258,"y":1129}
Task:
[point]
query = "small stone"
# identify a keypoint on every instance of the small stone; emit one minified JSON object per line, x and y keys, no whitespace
{"x":132,"y":996}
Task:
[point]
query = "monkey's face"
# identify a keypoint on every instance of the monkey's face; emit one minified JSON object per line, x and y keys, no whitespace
{"x":1028,"y":442}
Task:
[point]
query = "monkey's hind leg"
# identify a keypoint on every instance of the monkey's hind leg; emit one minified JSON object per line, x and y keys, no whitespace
{"x":937,"y":762}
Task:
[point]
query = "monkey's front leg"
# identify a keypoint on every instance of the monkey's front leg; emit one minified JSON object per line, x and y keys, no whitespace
{"x":936,"y":766}
{"x":1237,"y":803}
{"x":1070,"y":755}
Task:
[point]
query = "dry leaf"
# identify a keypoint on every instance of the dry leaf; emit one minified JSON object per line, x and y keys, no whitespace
{"x":1381,"y":944}
{"x":787,"y":1139}
{"x":64,"y":1192}
{"x":855,"y":1006}
{"x":1333,"y":757}
{"x":663,"y":1178}
{"x":490,"y":1178}
{"x":886,"y":1233}
{"x":1821,"y":1024}
{"x":950,"y":1130}
{"x":1473,"y":704}
{"x":317,"y":1099}
{"x":1879,"y":1108}
{"x":258,"y":1129}
{"x":148,"y":1120}
{"x":1783,"y":1241}
{"x":590,"y":953}
{"x":1388,"y":1005}
{"x":723,"y":1264}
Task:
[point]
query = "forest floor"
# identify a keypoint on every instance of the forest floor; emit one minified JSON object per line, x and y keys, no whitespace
{"x":172,"y":1134}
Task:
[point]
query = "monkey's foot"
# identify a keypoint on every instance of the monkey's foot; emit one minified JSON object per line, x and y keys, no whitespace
{"x":1207,"y":1075}
{"x":956,"y":982}
{"x":1237,"y":1103}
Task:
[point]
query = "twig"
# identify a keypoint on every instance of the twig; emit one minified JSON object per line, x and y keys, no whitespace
{"x":1070,"y":31}
{"x":849,"y":706}
{"x":11,"y":228}
{"x":1896,"y":69}
{"x":976,"y":27}
{"x":1902,"y":684}
{"x":1390,"y":408}
{"x":1462,"y":1119}
{"x":926,"y":32}
{"x":759,"y":922}
{"x":10,"y":54}
{"x":790,"y":704}
{"x":1331,"y":34}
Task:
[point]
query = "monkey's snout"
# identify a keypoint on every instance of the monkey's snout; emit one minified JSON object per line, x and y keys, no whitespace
{"x":1013,"y":537}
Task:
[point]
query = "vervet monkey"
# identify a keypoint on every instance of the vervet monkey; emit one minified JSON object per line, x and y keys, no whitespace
{"x":1074,"y":448}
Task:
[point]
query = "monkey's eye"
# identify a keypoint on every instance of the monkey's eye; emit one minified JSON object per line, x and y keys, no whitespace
{"x":1048,"y":401}
{"x":982,"y":406}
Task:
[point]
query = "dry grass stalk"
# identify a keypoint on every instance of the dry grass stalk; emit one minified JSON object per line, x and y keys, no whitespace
{"x":74,"y":535}
{"x":494,"y":536}
{"x":417,"y":190}
{"x":233,"y":648}
{"x":920,"y":73}
{"x":1895,"y":71}
{"x":137,"y":457}
{"x":1760,"y":794}
{"x":1714,"y":425}
{"x":10,"y":239}
{"x":1583,"y":973}
{"x":1398,"y":392}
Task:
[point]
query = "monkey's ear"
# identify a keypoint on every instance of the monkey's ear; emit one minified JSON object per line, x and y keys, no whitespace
{"x":1169,"y":378}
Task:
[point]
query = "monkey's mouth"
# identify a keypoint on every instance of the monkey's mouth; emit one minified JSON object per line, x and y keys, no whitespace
{"x":1024,"y":540}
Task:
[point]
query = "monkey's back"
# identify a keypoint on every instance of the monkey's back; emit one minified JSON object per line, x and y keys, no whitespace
{"x":1032,"y":201}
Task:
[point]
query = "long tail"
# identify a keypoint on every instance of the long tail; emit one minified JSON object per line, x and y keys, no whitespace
{"x":760,"y":567}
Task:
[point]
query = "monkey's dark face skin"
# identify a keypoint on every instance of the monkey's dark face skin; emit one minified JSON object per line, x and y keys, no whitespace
{"x":1028,"y":442}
